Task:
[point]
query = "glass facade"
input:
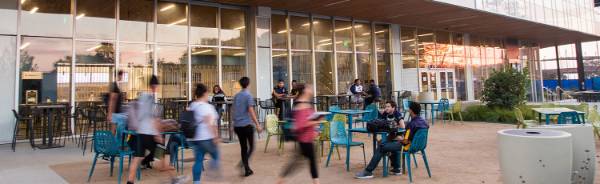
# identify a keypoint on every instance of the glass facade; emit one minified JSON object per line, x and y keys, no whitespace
{"x":90,"y":40}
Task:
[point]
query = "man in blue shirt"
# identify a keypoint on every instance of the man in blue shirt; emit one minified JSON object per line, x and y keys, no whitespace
{"x":396,"y":145}
{"x":243,"y":118}
{"x":373,"y":93}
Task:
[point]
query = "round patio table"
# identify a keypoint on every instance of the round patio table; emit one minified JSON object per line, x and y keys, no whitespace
{"x":375,"y":145}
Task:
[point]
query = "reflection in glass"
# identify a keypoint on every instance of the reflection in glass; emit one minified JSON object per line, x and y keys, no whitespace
{"x":302,"y":67}
{"x":364,"y":66}
{"x":135,"y":60}
{"x":172,"y":22}
{"x":278,"y":31}
{"x":345,"y":71}
{"x":137,"y":20}
{"x":343,"y":35}
{"x":95,"y":19}
{"x":234,"y":68}
{"x":94,"y":69}
{"x":280,"y":67}
{"x":322,"y":34}
{"x":362,"y":37}
{"x":46,"y":18}
{"x":8,"y":17}
{"x":205,"y":66}
{"x":45,"y":69}
{"x":426,"y":47}
{"x":325,"y":75}
{"x":409,"y":47}
{"x":384,"y":71}
{"x":300,"y":31}
{"x":233,"y":28}
{"x":203,"y":29}
{"x":172,"y":71}
{"x":382,"y":38}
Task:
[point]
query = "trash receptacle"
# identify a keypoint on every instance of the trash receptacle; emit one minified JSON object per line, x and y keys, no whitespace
{"x":584,"y":150}
{"x":535,"y":156}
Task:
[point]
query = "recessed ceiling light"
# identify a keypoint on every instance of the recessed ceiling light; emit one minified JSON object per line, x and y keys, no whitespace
{"x":33,"y":10}
{"x":80,"y":16}
{"x":337,"y":2}
{"x":167,"y":7}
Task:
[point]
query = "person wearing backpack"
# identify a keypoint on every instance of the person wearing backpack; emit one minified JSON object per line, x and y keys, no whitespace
{"x":304,"y":132}
{"x":205,"y":140}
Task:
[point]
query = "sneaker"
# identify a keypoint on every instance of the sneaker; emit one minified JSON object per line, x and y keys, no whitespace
{"x":364,"y":175}
{"x":396,"y":172}
{"x":180,"y":179}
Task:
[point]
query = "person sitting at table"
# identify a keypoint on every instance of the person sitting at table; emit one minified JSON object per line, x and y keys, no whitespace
{"x":396,"y":144}
{"x":373,"y":93}
{"x":279,"y":92}
{"x":294,"y":92}
{"x":357,"y":91}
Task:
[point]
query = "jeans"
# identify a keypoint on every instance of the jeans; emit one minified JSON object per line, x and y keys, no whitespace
{"x":200,"y":149}
{"x":246,"y":137}
{"x":394,"y":147}
{"x":306,"y":150}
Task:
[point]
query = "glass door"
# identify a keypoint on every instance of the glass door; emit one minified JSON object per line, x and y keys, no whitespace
{"x":440,"y":82}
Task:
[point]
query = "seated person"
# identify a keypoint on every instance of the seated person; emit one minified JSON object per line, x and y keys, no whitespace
{"x":279,"y":93}
{"x":390,"y":113}
{"x":396,"y":144}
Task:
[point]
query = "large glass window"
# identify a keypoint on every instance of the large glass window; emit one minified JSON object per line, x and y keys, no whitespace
{"x":325,"y":73}
{"x":205,"y":66}
{"x":172,"y":22}
{"x":300,"y":32}
{"x":46,"y":18}
{"x":345,"y":71}
{"x":7,"y":97}
{"x":45,"y":70}
{"x":302,"y":67}
{"x":384,"y":62}
{"x":95,"y":19}
{"x":322,"y":34}
{"x":172,"y":70}
{"x":94,"y":69}
{"x":137,"y":20}
{"x":278,"y":31}
{"x":203,"y":30}
{"x":426,"y":48}
{"x":280,"y":67}
{"x":362,"y":37}
{"x":409,"y":47}
{"x":136,"y":61}
{"x":364,"y":66}
{"x":233,"y":24}
{"x":343,"y":35}
{"x":234,"y":67}
{"x":8,"y":17}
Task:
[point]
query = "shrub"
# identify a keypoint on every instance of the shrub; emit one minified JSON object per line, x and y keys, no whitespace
{"x":505,"y":88}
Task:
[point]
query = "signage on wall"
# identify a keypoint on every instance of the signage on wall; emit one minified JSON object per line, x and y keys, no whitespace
{"x":31,"y":75}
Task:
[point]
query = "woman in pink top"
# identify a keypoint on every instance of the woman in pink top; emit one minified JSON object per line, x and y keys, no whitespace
{"x":305,"y":131}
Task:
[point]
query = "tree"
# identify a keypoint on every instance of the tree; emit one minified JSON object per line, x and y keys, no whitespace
{"x":506,"y":88}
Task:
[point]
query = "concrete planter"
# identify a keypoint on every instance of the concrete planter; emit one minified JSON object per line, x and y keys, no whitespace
{"x":584,"y":151}
{"x":535,"y":156}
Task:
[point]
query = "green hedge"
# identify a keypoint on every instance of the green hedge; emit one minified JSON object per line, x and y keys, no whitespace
{"x":502,"y":115}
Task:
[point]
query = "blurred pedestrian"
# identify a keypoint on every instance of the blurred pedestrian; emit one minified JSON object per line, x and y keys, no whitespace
{"x":218,"y":97}
{"x":305,"y":133}
{"x":116,"y":113}
{"x":205,"y":140}
{"x":243,"y":118}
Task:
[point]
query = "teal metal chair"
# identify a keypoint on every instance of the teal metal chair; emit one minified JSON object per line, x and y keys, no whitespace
{"x":569,"y":118}
{"x":442,"y":107}
{"x":368,"y":116}
{"x":329,"y":117}
{"x":405,"y":104}
{"x":418,"y":144}
{"x":339,"y":137}
{"x":106,"y":145}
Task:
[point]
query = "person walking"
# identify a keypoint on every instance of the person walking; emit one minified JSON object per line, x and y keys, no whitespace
{"x":204,"y":141}
{"x":116,"y":113}
{"x":218,"y":97}
{"x":243,"y":118}
{"x":305,"y":132}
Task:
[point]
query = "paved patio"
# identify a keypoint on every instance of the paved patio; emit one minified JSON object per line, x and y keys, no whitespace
{"x":458,"y":153}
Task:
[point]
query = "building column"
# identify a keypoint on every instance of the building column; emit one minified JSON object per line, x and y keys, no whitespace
{"x":580,"y":69}
{"x":259,"y":57}
{"x":558,"y":74}
{"x":468,"y":69}
{"x":396,"y":57}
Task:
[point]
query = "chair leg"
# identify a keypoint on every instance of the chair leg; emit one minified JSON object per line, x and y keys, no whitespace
{"x":120,"y":168}
{"x":338,"y":152}
{"x":407,"y":161}
{"x":267,"y":144}
{"x":112,"y":164}
{"x":426,"y":163}
{"x":15,"y":133}
{"x":364,"y":155}
{"x":93,"y":166}
{"x":415,"y":159}
{"x":329,"y":155}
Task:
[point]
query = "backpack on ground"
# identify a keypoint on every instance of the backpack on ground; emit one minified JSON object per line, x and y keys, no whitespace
{"x":188,"y":124}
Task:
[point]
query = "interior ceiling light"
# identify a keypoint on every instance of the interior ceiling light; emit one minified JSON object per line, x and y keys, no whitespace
{"x":167,"y":7}
{"x":33,"y":10}
{"x":25,"y":45}
{"x":177,"y":22}
{"x":336,"y":3}
{"x":324,"y":40}
{"x":279,"y":55}
{"x":23,"y":1}
{"x":93,"y":48}
{"x":282,"y":31}
{"x":80,"y":16}
{"x":240,"y":28}
{"x":382,"y":31}
{"x":239,"y":54}
{"x":426,"y":34}
{"x":365,"y":34}
{"x":201,"y":52}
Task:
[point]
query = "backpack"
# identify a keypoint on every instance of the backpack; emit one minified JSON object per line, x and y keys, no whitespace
{"x":188,"y":124}
{"x":381,"y":125}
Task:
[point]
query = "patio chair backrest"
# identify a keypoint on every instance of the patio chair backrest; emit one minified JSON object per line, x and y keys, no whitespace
{"x":332,"y":108}
{"x":105,"y":143}
{"x":594,"y":116}
{"x":519,"y":115}
{"x":444,"y":104}
{"x":325,"y":127}
{"x":373,"y":114}
{"x":337,"y":129}
{"x":405,"y":104}
{"x":272,"y":124}
{"x":419,"y":141}
{"x":457,"y":106}
{"x":569,"y":118}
